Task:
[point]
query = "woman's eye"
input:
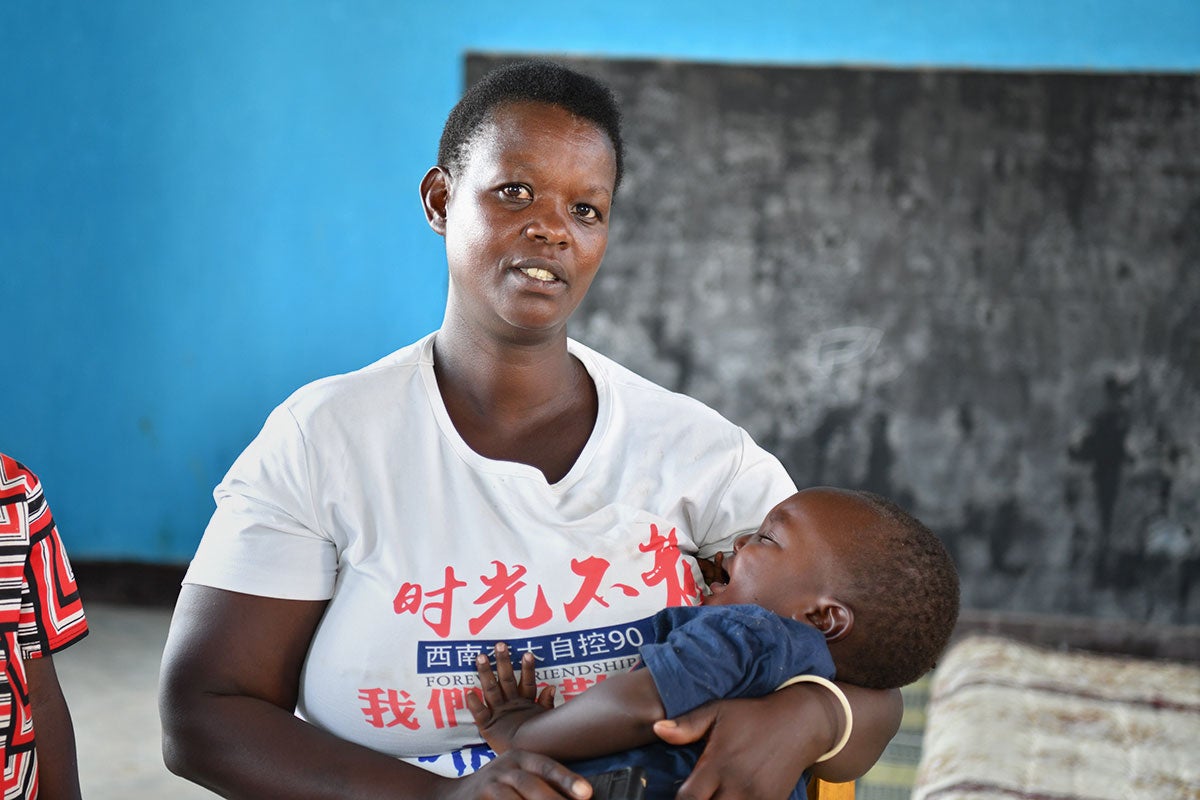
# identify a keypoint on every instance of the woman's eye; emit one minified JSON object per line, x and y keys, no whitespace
{"x":516,"y":191}
{"x":586,"y":212}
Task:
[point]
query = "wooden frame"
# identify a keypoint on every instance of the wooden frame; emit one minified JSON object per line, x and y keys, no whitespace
{"x":823,"y":790}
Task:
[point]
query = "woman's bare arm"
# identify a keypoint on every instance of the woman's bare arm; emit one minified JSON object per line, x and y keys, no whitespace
{"x":877,"y":716}
{"x":230,"y":679}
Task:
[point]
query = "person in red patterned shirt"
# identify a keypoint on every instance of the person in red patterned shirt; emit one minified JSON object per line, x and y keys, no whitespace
{"x":40,"y":614}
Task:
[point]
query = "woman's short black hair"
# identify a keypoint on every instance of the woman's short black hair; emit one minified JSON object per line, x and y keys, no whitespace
{"x":537,"y":81}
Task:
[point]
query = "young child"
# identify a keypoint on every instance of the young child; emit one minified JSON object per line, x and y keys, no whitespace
{"x":832,"y":579}
{"x":40,"y":614}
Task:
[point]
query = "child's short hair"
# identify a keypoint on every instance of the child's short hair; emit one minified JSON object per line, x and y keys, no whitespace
{"x":537,"y":81}
{"x":904,"y":595}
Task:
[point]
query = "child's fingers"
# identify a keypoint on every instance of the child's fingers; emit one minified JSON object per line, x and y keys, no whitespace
{"x":545,"y":698}
{"x":493,"y":695}
{"x":479,"y":712}
{"x":504,"y":671}
{"x":528,"y":677}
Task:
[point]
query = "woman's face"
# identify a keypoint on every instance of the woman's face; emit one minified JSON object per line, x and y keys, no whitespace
{"x":526,"y":218}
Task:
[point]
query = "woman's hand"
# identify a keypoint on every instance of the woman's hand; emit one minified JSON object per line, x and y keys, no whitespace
{"x":520,"y":775}
{"x":757,"y":749}
{"x":754,"y":751}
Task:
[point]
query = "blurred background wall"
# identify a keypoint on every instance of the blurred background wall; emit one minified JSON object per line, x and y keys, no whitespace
{"x":203,"y":206}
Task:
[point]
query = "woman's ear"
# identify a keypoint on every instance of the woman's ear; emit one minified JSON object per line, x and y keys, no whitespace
{"x":435,"y":195}
{"x":831,"y":617}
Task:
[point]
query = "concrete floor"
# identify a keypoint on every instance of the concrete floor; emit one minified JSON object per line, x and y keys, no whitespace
{"x":110,"y":680}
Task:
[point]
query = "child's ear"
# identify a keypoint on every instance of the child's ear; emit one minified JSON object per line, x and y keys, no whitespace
{"x":435,"y":195}
{"x":831,"y":617}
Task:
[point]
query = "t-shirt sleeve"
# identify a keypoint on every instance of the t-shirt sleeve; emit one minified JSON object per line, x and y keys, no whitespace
{"x":264,"y":538}
{"x":52,"y":615}
{"x":757,"y":485}
{"x":728,"y":652}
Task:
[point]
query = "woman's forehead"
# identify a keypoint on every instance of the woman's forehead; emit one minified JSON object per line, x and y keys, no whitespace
{"x":525,"y":129}
{"x":538,"y":136}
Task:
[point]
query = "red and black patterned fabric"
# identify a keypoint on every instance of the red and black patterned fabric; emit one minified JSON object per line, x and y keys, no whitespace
{"x":40,"y":613}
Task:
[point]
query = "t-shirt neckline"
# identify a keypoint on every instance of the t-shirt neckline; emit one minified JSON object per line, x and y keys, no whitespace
{"x":513,"y":468}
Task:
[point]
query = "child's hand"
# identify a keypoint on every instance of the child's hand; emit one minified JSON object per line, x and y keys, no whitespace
{"x":505,"y":703}
{"x":712,"y":570}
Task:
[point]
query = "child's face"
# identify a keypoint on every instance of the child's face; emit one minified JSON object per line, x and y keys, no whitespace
{"x":792,"y":562}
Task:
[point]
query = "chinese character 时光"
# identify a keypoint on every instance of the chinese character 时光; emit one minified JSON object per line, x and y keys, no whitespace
{"x":502,"y":595}
{"x":436,"y":612}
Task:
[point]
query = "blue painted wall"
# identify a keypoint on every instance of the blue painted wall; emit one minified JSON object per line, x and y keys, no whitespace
{"x":203,"y":206}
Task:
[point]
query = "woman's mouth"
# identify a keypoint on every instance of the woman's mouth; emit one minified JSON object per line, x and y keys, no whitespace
{"x":545,"y":271}
{"x":537,"y":273}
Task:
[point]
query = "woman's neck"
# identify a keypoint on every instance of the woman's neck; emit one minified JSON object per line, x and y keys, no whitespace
{"x":529,"y":402}
{"x":494,"y":376}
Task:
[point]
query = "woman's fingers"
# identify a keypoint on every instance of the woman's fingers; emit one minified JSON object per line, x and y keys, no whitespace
{"x":687,"y":728}
{"x":521,"y":775}
{"x":536,"y":768}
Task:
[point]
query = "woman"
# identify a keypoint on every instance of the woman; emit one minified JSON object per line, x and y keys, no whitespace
{"x":494,"y":480}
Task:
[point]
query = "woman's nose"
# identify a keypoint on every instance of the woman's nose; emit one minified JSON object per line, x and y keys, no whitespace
{"x":549,"y":228}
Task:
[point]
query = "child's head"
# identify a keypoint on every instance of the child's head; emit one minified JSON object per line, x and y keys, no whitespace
{"x":529,"y":81}
{"x":873,"y":579}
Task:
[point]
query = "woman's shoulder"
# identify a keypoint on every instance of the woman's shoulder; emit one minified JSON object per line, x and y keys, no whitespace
{"x":629,"y":386}
{"x":358,"y":391}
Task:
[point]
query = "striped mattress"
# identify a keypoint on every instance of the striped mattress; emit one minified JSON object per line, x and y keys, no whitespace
{"x":1007,"y":721}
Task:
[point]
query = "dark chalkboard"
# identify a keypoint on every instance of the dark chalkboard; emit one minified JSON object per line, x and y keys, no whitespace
{"x":978,"y":293}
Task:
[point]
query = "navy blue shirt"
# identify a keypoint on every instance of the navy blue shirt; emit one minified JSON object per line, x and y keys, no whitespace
{"x":703,"y":653}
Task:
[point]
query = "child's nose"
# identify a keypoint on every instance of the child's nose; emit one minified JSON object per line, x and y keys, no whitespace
{"x":740,"y":541}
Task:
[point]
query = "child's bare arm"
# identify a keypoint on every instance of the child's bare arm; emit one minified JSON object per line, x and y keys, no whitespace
{"x":615,"y":714}
{"x":58,"y":769}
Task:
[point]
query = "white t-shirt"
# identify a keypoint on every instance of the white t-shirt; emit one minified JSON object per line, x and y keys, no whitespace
{"x":360,"y":490}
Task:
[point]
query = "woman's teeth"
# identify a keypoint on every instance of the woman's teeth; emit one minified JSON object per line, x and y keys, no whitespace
{"x":539,"y":274}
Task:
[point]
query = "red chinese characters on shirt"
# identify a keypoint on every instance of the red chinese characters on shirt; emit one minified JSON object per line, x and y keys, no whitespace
{"x":666,"y":568}
{"x":592,"y":570}
{"x":501,"y":592}
{"x":387,"y":708}
{"x":436,"y":612}
{"x":526,"y":607}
